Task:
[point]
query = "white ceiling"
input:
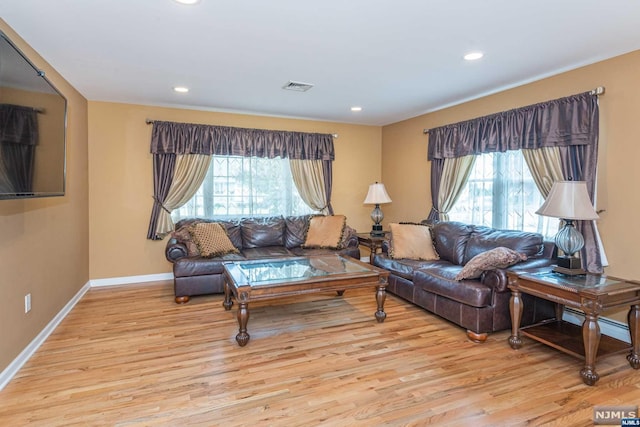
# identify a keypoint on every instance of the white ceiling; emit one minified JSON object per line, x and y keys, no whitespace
{"x":396,"y":59}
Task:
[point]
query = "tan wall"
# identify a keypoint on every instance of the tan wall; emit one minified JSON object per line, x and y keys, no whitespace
{"x":121,"y":183}
{"x":404,"y":151}
{"x":44,"y":245}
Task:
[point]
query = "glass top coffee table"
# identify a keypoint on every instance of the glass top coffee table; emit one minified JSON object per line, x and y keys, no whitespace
{"x":255,"y":280}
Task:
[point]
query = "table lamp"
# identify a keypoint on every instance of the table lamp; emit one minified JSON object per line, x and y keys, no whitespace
{"x":569,"y":201}
{"x":377,"y":195}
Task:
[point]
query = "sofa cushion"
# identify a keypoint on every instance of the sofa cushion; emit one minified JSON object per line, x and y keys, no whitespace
{"x":484,"y":238}
{"x":198,"y":266}
{"x":261,"y":232}
{"x":295,"y":230}
{"x":325,"y":232}
{"x":412,"y":241}
{"x":404,"y":267}
{"x":450,"y":240}
{"x":212,"y":239}
{"x":440,"y":280}
{"x":495,"y":258}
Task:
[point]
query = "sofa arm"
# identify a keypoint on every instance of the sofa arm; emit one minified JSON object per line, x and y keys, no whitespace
{"x":175,"y":250}
{"x":349,"y":238}
{"x":497,"y":279}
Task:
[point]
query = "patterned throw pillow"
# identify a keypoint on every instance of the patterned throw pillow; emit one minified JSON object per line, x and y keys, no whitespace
{"x":325,"y":232}
{"x":412,"y":241}
{"x":499,"y":257}
{"x":182,"y":235}
{"x":212,"y":239}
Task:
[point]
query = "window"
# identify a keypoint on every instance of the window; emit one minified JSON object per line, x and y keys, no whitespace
{"x":501,"y":193}
{"x":245,"y":186}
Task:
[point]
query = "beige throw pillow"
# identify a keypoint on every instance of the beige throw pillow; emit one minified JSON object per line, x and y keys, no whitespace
{"x":412,"y":241}
{"x":325,"y":232}
{"x":212,"y":239}
{"x":499,"y":257}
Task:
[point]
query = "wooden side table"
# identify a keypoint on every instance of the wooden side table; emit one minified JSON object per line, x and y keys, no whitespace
{"x":372,"y":242}
{"x":590,"y":293}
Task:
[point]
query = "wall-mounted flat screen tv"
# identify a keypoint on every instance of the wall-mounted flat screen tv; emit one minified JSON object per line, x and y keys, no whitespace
{"x":32,"y":129}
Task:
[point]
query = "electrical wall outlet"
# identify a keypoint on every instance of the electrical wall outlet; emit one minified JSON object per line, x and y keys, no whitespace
{"x":27,"y":303}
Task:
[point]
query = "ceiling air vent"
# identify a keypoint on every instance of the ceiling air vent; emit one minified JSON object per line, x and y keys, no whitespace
{"x":297,"y":86}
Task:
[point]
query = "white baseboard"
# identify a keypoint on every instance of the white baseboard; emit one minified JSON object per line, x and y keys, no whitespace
{"x":10,"y":371}
{"x":116,"y":281}
{"x":609,"y":327}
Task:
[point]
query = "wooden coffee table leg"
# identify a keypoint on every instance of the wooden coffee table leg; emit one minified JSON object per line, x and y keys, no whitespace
{"x":243,"y":317}
{"x":227,"y":303}
{"x":634,"y":328}
{"x":381,"y":295}
{"x":515,"y":309}
{"x":591,"y":337}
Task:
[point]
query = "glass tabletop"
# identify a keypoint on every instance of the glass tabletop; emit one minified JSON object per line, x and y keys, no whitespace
{"x":297,"y":269}
{"x":583,"y":281}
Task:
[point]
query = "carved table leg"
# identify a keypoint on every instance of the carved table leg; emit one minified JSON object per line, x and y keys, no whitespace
{"x":381,"y":295}
{"x":515,"y":308}
{"x":227,"y":303}
{"x":243,"y":317}
{"x":591,"y":337}
{"x":633,"y":320}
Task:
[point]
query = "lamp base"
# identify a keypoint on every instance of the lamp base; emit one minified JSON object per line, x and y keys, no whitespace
{"x":569,"y":265}
{"x":569,"y":271}
{"x":376,"y":230}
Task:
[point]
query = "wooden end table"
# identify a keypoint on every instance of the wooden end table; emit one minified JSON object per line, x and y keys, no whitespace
{"x":372,"y":242}
{"x":590,"y":293}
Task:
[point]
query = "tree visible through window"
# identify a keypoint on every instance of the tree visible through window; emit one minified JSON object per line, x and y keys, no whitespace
{"x":501,"y":193}
{"x":238,"y":186}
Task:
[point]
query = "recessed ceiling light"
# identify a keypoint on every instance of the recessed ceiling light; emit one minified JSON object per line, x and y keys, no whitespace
{"x":356,"y":108}
{"x":187,"y":1}
{"x":472,"y":56}
{"x":181,"y":89}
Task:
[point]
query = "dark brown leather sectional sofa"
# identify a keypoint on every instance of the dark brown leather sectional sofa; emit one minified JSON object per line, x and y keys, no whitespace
{"x":268,"y":237}
{"x":479,"y":305}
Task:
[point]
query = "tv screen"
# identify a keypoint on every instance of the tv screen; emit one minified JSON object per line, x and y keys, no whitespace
{"x":32,"y":128}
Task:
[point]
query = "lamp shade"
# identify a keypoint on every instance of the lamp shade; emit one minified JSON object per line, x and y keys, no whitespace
{"x":377,"y":195}
{"x":568,"y":200}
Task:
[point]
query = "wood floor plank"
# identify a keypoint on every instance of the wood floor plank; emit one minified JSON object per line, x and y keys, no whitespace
{"x":130,"y":356}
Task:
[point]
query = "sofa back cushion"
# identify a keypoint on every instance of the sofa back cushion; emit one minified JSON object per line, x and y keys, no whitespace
{"x":483,"y":239}
{"x":295,"y":230}
{"x":234,"y":231}
{"x":450,"y":240}
{"x":260,"y":232}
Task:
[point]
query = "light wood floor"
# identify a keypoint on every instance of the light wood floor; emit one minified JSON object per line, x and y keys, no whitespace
{"x":130,"y":356}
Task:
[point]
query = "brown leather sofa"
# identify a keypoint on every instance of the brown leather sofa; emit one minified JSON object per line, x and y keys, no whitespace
{"x":255,"y":238}
{"x":479,"y":305}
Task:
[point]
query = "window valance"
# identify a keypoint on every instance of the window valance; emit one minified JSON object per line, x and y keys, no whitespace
{"x":561,"y":122}
{"x":189,"y":138}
